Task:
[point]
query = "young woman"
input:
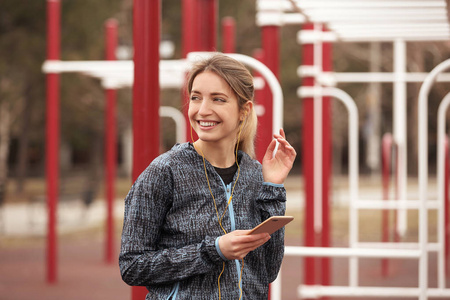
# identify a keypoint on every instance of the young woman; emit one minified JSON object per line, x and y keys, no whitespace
{"x":188,"y":215}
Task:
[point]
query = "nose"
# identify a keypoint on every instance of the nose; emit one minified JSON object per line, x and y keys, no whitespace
{"x":205,"y":108}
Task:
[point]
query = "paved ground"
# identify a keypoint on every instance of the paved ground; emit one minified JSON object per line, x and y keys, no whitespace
{"x":83,"y":274}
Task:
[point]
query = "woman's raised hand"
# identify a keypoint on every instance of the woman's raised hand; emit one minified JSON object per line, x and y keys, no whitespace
{"x":276,"y":167}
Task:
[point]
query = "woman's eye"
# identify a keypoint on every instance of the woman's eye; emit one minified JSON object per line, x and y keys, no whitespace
{"x":219,"y":99}
{"x":194,"y":98}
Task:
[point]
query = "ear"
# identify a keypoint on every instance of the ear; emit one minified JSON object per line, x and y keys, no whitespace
{"x":246,"y":110}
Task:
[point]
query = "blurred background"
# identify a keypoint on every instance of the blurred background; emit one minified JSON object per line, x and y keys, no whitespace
{"x":82,"y":213}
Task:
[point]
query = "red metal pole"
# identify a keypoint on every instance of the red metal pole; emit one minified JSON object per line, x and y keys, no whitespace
{"x":270,"y":46}
{"x":52,"y":139}
{"x":308,"y":163}
{"x":228,"y":35}
{"x":110,"y":142}
{"x":262,"y":98}
{"x":327,"y":65}
{"x":189,"y":37}
{"x":207,"y":22}
{"x":190,"y":43}
{"x":386,"y":145}
{"x":146,"y":36}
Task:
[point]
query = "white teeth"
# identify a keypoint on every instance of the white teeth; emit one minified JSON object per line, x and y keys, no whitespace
{"x":207,"y":124}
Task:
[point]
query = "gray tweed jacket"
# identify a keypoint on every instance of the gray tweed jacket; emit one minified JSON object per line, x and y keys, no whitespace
{"x":170,"y":229}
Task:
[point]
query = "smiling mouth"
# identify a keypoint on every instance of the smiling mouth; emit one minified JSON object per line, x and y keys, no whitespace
{"x":207,"y":124}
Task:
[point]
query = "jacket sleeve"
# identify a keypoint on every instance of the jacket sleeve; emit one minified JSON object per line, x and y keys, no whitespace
{"x":141,"y":261}
{"x":272,"y":202}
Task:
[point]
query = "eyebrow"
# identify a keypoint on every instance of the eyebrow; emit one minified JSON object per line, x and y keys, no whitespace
{"x":213,"y":94}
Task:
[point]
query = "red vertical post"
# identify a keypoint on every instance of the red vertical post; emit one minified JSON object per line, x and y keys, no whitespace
{"x":110,"y":143}
{"x":386,"y":147}
{"x":308,"y":163}
{"x":270,"y":45}
{"x":228,"y":35}
{"x":207,"y":22}
{"x":327,"y":66}
{"x":52,"y":137}
{"x":262,"y":99}
{"x":189,"y":44}
{"x":189,"y":38}
{"x":199,"y":34}
{"x":146,"y":36}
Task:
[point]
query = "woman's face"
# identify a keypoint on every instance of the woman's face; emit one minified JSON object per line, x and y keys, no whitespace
{"x":213,"y":109}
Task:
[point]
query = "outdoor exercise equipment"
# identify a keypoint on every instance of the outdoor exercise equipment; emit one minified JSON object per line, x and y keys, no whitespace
{"x":397,"y":21}
{"x":413,"y":24}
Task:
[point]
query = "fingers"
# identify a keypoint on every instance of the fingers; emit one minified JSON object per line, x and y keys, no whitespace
{"x":237,"y":244}
{"x":271,"y":149}
{"x":281,"y":138}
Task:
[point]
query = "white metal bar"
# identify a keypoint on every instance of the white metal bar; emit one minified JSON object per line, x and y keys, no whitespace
{"x":364,"y":21}
{"x":393,"y":31}
{"x":366,"y":37}
{"x":305,"y":71}
{"x":423,"y":170}
{"x":178,"y":117}
{"x":353,"y":163}
{"x":116,"y":74}
{"x":275,"y":287}
{"x":389,"y":26}
{"x":394,"y":204}
{"x":317,"y":4}
{"x":400,"y":130}
{"x":383,"y":77}
{"x":441,"y":192}
{"x":351,"y":252}
{"x":375,"y":13}
{"x":313,"y":292}
{"x":432,"y":247}
{"x":309,"y":36}
{"x":285,"y":5}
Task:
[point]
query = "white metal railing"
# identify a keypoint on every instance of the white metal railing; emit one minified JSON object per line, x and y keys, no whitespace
{"x":441,"y":192}
{"x":423,"y":179}
{"x":357,"y":250}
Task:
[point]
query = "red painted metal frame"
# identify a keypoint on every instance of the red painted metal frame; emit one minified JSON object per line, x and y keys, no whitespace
{"x":316,"y":269}
{"x":270,"y":47}
{"x":199,"y":34}
{"x":189,"y":42}
{"x":207,"y":24}
{"x":189,"y":38}
{"x":228,"y":35}
{"x":308,"y":163}
{"x":110,"y":143}
{"x":146,"y":36}
{"x":52,"y":138}
{"x":386,"y":154}
{"x":262,"y":97}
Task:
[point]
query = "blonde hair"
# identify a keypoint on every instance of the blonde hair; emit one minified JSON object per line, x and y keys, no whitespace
{"x":241,"y":82}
